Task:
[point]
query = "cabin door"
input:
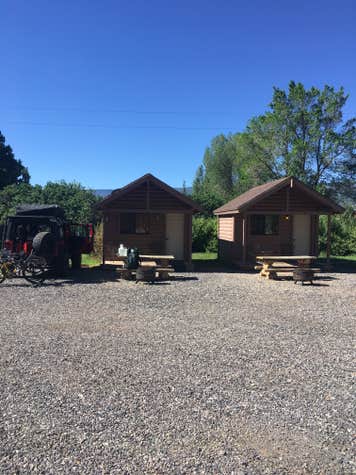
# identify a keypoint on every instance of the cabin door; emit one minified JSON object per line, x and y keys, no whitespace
{"x":175,"y":235}
{"x":301,"y":234}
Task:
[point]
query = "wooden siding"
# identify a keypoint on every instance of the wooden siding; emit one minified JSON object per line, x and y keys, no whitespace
{"x":160,"y":199}
{"x":226,"y":228}
{"x":148,"y":196}
{"x":279,"y":244}
{"x":152,"y":243}
{"x":288,"y":200}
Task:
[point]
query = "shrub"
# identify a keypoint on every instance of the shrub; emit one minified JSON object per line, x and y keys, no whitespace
{"x":205,"y":234}
{"x":343,"y":234}
{"x":98,"y":240}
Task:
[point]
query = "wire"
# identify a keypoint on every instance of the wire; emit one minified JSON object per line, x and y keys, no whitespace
{"x":114,"y":126}
{"x":118,"y":111}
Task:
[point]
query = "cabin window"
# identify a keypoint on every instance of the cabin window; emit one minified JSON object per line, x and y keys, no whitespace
{"x":264,"y":225}
{"x":134,"y":223}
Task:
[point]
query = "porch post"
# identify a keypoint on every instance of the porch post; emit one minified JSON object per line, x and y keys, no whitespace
{"x":103,"y":242}
{"x":188,"y":240}
{"x":328,"y":241}
{"x":244,"y":239}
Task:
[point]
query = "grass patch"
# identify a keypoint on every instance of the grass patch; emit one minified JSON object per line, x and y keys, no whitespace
{"x":351,"y":257}
{"x":90,"y":260}
{"x":340,"y":263}
{"x":204,"y":256}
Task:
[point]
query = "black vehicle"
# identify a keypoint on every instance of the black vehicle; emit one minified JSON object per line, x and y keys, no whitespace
{"x":45,"y":228}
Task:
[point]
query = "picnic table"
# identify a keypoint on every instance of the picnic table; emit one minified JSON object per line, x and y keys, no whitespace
{"x":161,"y":263}
{"x":273,"y":264}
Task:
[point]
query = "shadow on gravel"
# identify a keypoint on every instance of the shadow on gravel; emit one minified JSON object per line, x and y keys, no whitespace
{"x":207,"y":266}
{"x":94,"y":275}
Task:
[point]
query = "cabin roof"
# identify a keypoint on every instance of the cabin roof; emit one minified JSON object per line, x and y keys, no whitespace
{"x":258,"y":193}
{"x":116,"y":194}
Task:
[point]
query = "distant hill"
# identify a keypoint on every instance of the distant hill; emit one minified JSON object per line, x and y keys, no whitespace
{"x":104,"y":193}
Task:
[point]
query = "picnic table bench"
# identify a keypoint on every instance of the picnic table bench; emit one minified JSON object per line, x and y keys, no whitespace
{"x":271,"y":265}
{"x":161,"y":263}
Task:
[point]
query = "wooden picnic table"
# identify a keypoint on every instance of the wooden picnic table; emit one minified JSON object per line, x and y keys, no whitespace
{"x":162,"y":263}
{"x":162,"y":260}
{"x":270,"y":269}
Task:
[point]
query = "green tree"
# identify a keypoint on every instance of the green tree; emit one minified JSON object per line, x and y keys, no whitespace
{"x":11,"y":170}
{"x":204,"y":234}
{"x":77,"y":201}
{"x":303,"y":134}
{"x":14,"y":195}
{"x":343,"y":233}
{"x":215,"y":180}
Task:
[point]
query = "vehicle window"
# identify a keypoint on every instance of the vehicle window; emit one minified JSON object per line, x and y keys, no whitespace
{"x":78,"y":230}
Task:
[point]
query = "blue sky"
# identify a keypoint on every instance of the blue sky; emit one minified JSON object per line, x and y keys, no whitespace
{"x":104,"y":91}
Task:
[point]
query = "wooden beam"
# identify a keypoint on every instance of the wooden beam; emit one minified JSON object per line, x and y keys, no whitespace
{"x":287,"y":200}
{"x":148,"y":194}
{"x":103,"y":252}
{"x":328,"y":241}
{"x":244,"y":239}
{"x":145,"y":210}
{"x":188,"y":239}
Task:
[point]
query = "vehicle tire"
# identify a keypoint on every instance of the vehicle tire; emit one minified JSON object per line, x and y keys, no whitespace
{"x":35,"y":273}
{"x":44,"y":244}
{"x":2,"y":275}
{"x":76,"y":261}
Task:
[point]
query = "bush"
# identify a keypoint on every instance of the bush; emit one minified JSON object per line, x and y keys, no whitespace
{"x":343,"y":233}
{"x":98,"y":241}
{"x":205,"y":234}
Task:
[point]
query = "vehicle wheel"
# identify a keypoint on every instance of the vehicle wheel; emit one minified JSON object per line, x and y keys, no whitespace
{"x":34,"y":273}
{"x":76,"y":261}
{"x":43,"y":244}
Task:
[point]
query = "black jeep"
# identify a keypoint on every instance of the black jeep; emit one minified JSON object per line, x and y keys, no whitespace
{"x":43,"y":228}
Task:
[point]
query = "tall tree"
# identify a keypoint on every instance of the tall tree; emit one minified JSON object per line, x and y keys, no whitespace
{"x":77,"y":202}
{"x":303,"y":134}
{"x":12,"y":171}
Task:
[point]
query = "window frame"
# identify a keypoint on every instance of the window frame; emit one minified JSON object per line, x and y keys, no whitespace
{"x":273,"y":224}
{"x":134,"y":225}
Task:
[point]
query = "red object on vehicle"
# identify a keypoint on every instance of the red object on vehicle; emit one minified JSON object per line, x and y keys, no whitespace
{"x":8,"y":244}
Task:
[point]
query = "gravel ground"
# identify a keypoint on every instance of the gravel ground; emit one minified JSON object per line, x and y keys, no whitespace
{"x":211,"y":373}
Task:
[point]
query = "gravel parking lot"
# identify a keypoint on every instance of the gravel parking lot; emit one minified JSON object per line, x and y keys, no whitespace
{"x":211,"y":373}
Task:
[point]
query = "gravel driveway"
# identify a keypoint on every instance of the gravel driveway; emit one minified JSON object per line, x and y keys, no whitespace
{"x":211,"y":373}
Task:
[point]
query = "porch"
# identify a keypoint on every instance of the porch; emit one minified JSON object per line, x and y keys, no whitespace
{"x":151,"y":233}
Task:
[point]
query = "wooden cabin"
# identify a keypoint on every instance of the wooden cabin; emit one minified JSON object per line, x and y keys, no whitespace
{"x":150,"y":215}
{"x":277,"y":218}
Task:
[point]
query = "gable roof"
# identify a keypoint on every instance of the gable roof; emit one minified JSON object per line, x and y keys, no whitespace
{"x":258,"y":193}
{"x":116,"y":194}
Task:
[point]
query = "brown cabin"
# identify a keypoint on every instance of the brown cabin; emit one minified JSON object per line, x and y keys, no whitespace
{"x":150,"y":215}
{"x":278,"y":218}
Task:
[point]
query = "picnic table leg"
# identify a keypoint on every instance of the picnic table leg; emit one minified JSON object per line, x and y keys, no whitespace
{"x":267,"y":270}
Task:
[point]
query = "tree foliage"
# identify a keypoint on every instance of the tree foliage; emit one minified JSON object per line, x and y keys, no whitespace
{"x":302,"y":134}
{"x":12,"y":171}
{"x":204,"y":234}
{"x":343,"y":233}
{"x":77,"y":201}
